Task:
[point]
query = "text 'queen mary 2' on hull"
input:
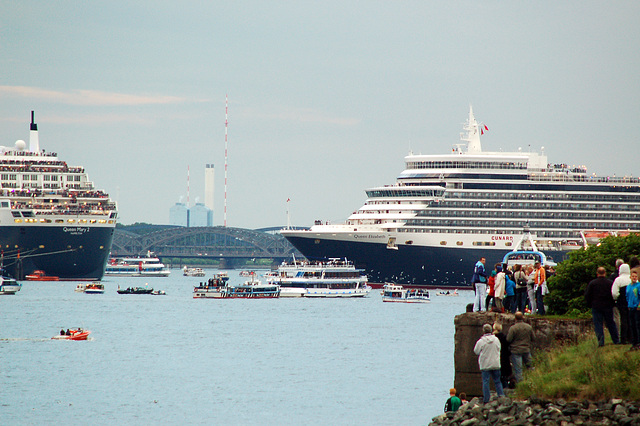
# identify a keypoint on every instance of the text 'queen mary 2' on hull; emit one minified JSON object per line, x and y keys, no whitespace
{"x":446,"y":211}
{"x":51,"y":216}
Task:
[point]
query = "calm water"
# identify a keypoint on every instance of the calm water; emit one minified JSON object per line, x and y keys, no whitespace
{"x":175,"y":360}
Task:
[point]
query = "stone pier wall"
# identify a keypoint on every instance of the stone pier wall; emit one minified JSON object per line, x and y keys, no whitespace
{"x":549,"y":333}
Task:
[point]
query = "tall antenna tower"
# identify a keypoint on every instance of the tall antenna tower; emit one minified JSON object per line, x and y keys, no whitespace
{"x":226,"y":121}
{"x":188,"y":186}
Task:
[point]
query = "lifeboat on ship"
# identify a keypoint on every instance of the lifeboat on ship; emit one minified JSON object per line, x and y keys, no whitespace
{"x":594,"y":237}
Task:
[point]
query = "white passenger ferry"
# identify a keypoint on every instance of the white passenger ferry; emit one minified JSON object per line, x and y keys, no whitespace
{"x":333,"y":278}
{"x":446,"y":211}
{"x":137,"y":266}
{"x":220,"y":288}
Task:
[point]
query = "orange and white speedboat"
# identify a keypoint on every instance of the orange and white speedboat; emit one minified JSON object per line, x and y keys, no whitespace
{"x":75,"y":334}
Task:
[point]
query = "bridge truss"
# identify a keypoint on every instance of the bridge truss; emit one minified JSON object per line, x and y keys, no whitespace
{"x":207,"y":242}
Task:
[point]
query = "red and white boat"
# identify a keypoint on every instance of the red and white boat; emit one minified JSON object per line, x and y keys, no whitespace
{"x":39,"y":275}
{"x":75,"y":334}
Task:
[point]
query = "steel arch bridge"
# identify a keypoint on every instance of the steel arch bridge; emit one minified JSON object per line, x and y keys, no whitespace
{"x":202,"y":242}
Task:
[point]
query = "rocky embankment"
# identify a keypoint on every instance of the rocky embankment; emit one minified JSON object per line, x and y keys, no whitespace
{"x":535,"y":411}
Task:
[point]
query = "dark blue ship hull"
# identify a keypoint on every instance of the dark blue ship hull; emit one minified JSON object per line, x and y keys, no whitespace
{"x":409,"y":265}
{"x":68,"y":252}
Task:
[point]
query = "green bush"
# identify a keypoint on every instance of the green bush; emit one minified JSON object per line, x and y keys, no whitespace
{"x":567,"y":286}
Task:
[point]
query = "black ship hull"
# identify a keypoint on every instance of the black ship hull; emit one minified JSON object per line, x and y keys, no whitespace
{"x":67,"y":252}
{"x":409,"y":265}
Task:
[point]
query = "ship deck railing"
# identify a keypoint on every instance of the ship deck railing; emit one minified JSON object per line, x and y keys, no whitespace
{"x":563,"y":177}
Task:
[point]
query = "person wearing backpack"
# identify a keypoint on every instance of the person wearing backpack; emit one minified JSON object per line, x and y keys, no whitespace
{"x":521,"y":287}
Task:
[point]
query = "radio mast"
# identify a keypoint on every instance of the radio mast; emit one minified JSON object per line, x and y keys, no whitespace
{"x":226,"y":121}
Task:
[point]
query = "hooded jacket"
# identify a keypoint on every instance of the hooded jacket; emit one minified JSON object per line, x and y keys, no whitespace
{"x":623,"y":280}
{"x":488,"y":350}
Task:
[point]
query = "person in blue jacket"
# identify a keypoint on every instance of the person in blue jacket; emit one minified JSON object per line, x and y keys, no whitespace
{"x":633,"y":300}
{"x":479,"y":281}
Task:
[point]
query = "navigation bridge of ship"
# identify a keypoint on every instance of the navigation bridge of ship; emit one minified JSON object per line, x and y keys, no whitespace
{"x":228,"y":245}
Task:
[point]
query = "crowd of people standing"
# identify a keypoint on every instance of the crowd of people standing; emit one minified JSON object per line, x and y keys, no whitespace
{"x":510,"y":289}
{"x":614,"y":302}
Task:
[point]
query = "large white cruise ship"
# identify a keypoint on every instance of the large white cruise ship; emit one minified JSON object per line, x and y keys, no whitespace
{"x":52,"y":218}
{"x":446,"y":211}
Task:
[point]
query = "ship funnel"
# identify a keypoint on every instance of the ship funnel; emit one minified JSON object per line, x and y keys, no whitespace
{"x":34,"y":142}
{"x":472,"y":137}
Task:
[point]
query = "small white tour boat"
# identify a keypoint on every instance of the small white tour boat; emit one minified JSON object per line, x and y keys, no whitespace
{"x":90,"y":288}
{"x":397,"y":293}
{"x":137,"y":266}
{"x":332,"y":278}
{"x":219,"y":287}
{"x":9,"y":285}
{"x":192,"y":272}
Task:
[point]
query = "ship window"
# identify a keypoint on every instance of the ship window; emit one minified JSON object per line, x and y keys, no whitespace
{"x":15,"y":214}
{"x":41,"y":246}
{"x":71,"y":220}
{"x":5,"y":204}
{"x":409,"y":242}
{"x":508,"y":244}
{"x":17,"y":220}
{"x":443,"y":243}
{"x":459,"y":243}
{"x":59,"y":220}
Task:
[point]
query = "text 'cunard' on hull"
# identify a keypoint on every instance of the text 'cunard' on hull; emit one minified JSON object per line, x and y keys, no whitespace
{"x":52,"y":218}
{"x":446,"y":211}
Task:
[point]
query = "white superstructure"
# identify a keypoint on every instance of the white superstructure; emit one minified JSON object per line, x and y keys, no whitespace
{"x":445,"y":211}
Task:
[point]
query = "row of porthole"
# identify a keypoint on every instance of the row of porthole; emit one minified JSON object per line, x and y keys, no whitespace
{"x":80,"y":221}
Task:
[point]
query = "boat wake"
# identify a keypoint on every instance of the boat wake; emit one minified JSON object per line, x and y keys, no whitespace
{"x":31,"y":339}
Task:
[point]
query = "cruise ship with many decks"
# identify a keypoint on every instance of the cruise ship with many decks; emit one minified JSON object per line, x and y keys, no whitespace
{"x":51,"y":216}
{"x":446,"y":211}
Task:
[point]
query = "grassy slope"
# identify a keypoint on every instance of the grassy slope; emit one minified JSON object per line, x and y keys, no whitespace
{"x":584,"y":371}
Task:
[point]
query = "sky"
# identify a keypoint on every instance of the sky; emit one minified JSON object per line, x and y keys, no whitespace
{"x":325,"y":99}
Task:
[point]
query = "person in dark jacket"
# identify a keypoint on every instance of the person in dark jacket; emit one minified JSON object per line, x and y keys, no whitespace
{"x":520,"y":337}
{"x":599,"y":299}
{"x":505,"y":355}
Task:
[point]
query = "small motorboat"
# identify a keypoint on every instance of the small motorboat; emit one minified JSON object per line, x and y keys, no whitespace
{"x":9,"y":285}
{"x":135,"y":290}
{"x":448,"y":293}
{"x":72,"y":334}
{"x":396,"y":293}
{"x":192,"y":272}
{"x":94,"y":288}
{"x":158,"y":292}
{"x":39,"y":275}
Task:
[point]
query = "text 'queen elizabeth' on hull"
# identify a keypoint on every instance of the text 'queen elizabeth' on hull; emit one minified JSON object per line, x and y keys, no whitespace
{"x":51,"y":217}
{"x":446,"y":211}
